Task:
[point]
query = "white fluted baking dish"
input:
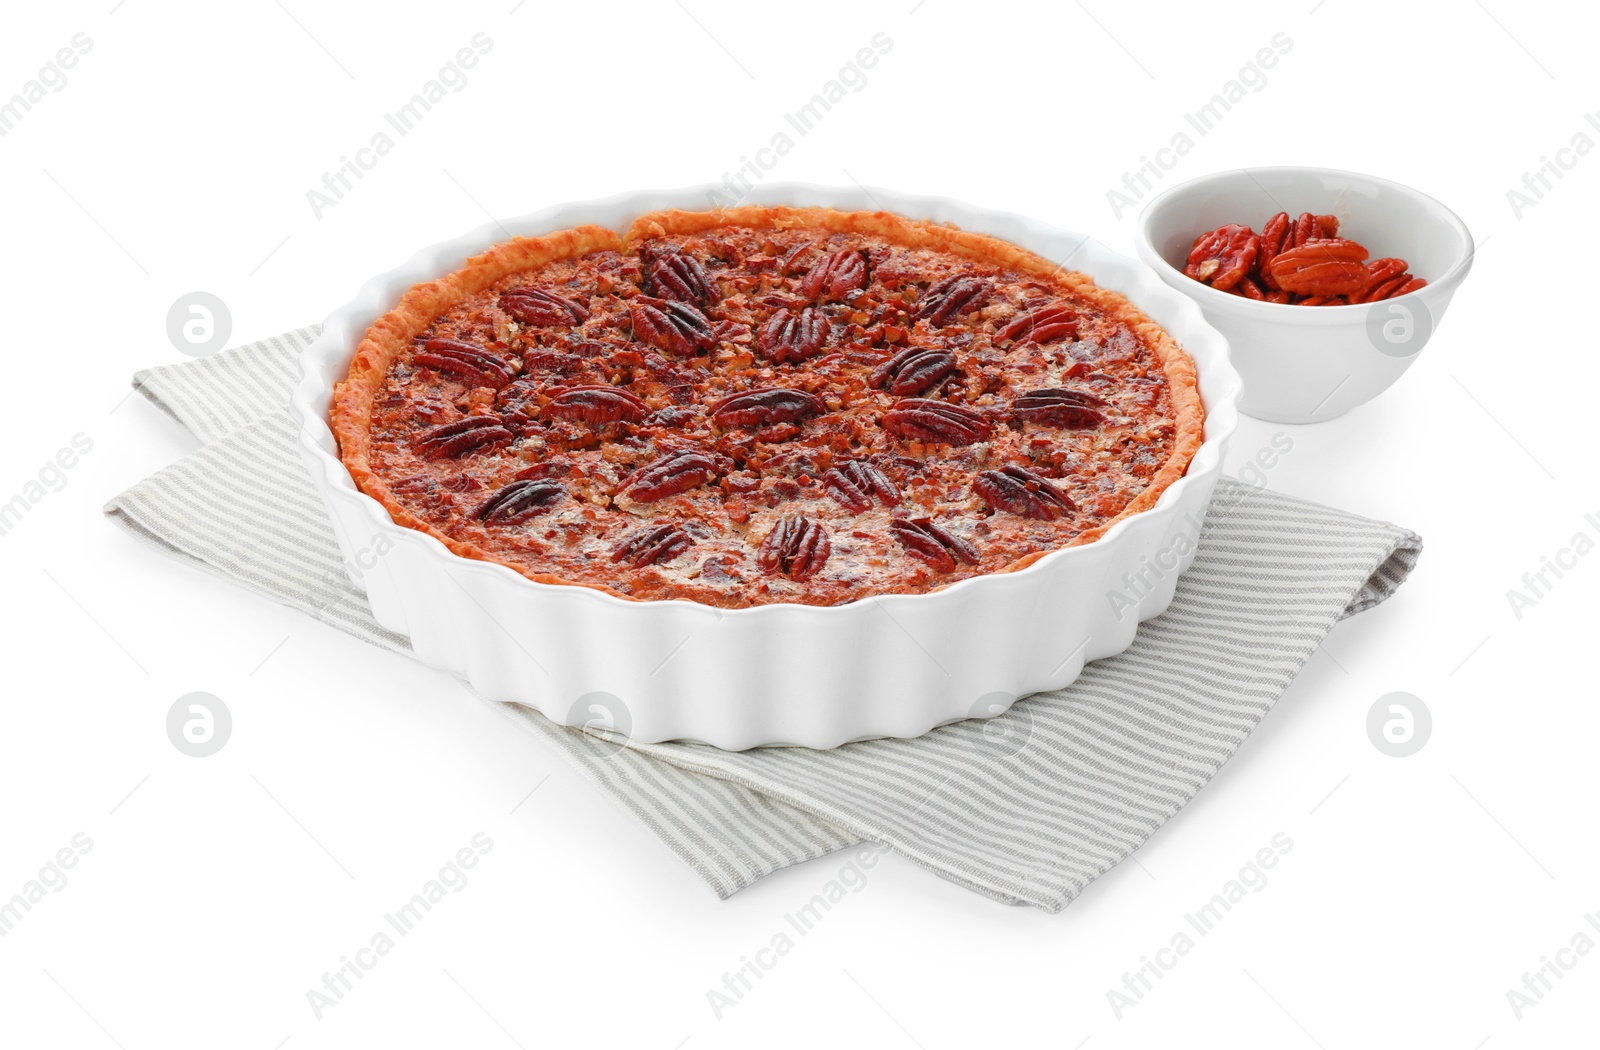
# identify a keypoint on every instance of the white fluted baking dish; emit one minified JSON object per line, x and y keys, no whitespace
{"x":895,"y":665}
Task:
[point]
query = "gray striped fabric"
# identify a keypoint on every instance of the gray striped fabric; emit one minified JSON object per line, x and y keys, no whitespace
{"x":1027,"y":808}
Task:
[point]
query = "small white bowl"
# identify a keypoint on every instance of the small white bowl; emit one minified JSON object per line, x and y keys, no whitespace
{"x":1306,"y":364}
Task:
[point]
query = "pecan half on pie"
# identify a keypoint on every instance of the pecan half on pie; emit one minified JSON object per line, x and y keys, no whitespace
{"x":758,"y":405}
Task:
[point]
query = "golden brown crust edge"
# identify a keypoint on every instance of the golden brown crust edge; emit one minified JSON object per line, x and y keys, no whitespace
{"x":351,"y":414}
{"x":350,"y":417}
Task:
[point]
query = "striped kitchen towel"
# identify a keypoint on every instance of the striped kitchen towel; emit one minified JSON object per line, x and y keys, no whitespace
{"x":1027,"y":808}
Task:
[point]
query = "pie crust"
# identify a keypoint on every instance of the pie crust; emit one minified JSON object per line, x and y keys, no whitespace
{"x":1035,"y":430}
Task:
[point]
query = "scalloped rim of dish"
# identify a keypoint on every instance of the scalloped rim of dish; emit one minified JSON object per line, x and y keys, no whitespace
{"x":347,"y":324}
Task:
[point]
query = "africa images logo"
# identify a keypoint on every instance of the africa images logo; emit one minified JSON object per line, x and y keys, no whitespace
{"x":51,"y":79}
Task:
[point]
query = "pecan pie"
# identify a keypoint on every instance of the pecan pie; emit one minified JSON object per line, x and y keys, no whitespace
{"x":757,"y":405}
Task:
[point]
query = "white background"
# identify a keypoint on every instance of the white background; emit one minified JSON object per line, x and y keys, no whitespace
{"x":218,"y":891}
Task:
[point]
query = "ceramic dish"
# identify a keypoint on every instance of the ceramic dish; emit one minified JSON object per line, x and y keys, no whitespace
{"x":894,"y":665}
{"x":1306,"y":364}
